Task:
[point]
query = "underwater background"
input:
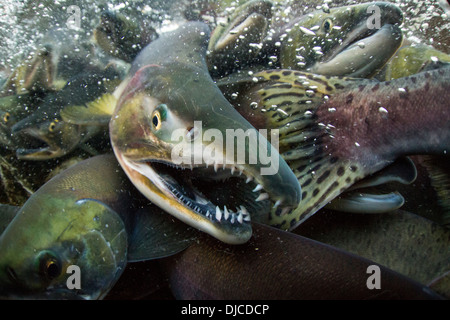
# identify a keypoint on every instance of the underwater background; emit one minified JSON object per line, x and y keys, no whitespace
{"x":405,"y":247}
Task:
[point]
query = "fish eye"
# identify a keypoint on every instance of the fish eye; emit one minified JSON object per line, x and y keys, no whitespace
{"x":327,"y":25}
{"x":158,"y":116}
{"x":156,"y":120}
{"x":6,"y":117}
{"x":52,"y":126}
{"x":49,"y":265}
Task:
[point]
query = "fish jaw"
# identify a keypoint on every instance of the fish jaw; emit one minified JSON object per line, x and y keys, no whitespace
{"x":336,"y":46}
{"x":139,"y":156}
{"x":238,"y":43}
{"x":367,"y":58}
{"x":148,"y":158}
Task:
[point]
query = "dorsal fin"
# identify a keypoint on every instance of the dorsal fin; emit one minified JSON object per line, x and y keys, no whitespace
{"x":95,"y":112}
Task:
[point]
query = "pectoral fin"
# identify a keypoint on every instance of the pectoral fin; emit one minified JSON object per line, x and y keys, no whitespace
{"x":156,"y":234}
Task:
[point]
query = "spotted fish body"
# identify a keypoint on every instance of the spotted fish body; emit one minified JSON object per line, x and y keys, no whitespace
{"x":336,"y":131}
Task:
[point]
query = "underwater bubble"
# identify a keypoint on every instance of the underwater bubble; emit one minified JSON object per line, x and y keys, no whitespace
{"x":307,"y":31}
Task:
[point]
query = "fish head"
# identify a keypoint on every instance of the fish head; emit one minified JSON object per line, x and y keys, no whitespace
{"x":61,"y":249}
{"x":237,"y":43}
{"x":14,"y":108}
{"x":354,"y":40}
{"x":49,"y":137}
{"x":6,"y":139}
{"x":122,"y":37}
{"x":172,"y":132}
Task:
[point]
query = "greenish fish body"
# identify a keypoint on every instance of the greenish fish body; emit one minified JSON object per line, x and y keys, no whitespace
{"x":82,"y":223}
{"x":336,"y":131}
{"x":61,"y":226}
{"x":157,"y":135}
{"x":410,"y":60}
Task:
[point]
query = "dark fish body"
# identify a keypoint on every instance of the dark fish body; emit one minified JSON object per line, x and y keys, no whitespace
{"x":410,"y":115}
{"x":402,"y":241}
{"x":276,"y":264}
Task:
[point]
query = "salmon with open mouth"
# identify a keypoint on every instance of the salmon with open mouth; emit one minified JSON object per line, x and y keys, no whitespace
{"x":171,"y":109}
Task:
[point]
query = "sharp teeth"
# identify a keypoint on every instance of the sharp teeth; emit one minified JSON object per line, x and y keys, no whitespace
{"x":226,"y":213}
{"x":240,"y":217}
{"x":277,"y":204}
{"x":208,"y":214}
{"x":258,"y":187}
{"x":215,"y":166}
{"x":244,"y":210}
{"x":247,"y":218}
{"x":285,"y":210}
{"x":262,"y":196}
{"x":232,"y":170}
{"x":248,"y":179}
{"x":233,"y":217}
{"x":241,"y":171}
{"x":218,"y":214}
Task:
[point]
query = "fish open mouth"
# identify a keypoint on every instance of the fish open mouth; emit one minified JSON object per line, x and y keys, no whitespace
{"x":220,"y":200}
{"x":38,"y":146}
{"x":360,"y":53}
{"x":362,"y":37}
